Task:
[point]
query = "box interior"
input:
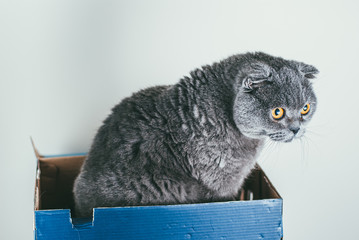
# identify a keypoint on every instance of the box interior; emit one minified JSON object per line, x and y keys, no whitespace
{"x":56,"y":176}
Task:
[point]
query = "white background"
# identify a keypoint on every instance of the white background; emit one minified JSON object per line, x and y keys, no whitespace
{"x":65,"y":64}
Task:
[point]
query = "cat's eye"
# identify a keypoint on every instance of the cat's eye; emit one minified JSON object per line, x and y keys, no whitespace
{"x":305,"y":109}
{"x":278,"y":113}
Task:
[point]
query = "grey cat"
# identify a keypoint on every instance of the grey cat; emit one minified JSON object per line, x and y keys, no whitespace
{"x":195,"y":141}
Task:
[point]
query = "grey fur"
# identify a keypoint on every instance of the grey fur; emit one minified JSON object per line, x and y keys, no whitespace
{"x":197,"y":140}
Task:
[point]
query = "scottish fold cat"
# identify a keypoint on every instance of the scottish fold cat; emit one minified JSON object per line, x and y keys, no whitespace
{"x":195,"y":141}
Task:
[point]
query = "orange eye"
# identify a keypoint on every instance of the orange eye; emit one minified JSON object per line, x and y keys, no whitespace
{"x":305,"y":109}
{"x":278,"y":113}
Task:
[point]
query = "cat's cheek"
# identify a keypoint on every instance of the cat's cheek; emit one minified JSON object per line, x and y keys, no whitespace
{"x":300,"y":133}
{"x":254,"y":134}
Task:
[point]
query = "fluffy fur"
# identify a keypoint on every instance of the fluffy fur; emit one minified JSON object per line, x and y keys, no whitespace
{"x":197,"y":140}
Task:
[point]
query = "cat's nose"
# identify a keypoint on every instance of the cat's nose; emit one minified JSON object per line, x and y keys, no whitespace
{"x":295,"y":130}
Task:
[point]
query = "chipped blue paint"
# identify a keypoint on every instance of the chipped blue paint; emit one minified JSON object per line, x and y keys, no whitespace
{"x":65,"y":155}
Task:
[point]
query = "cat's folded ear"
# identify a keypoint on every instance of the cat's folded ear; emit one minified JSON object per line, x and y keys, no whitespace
{"x":308,"y":71}
{"x":257,"y":75}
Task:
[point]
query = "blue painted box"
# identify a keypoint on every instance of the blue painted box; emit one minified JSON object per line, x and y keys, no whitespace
{"x":256,"y":215}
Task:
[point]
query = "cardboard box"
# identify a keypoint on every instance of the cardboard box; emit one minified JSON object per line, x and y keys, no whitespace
{"x":257,"y":215}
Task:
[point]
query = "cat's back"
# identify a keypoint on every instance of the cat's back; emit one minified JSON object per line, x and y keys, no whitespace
{"x":141,"y":106}
{"x":133,"y":121}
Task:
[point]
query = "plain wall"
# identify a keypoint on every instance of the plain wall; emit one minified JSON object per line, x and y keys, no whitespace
{"x":65,"y":64}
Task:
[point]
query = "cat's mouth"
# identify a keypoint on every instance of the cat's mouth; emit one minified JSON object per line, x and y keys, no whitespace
{"x":284,"y":136}
{"x":280,"y":137}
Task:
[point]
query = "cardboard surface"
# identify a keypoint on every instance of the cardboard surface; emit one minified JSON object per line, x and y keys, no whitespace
{"x":227,"y":220}
{"x":56,"y":181}
{"x":260,"y":218}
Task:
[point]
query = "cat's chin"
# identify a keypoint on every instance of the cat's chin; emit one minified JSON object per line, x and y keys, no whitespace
{"x":280,"y":138}
{"x":288,"y":140}
{"x":284,"y":140}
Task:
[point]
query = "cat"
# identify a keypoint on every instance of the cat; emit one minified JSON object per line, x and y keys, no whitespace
{"x":195,"y":141}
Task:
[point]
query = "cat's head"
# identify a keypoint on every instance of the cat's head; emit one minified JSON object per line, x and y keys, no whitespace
{"x":274,"y":97}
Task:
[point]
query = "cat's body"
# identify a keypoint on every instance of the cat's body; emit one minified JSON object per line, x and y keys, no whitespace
{"x":195,"y":141}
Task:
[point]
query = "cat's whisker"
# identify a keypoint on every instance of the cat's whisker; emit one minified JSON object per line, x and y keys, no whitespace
{"x":308,"y":145}
{"x":310,"y":142}
{"x":323,"y":125}
{"x":319,"y":130}
{"x":271,"y":148}
{"x":277,"y":150}
{"x":267,"y":149}
{"x":303,"y":153}
{"x":315,"y":133}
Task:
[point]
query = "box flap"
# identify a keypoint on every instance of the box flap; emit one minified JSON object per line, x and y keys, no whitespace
{"x":55,"y":178}
{"x":35,"y":149}
{"x":37,"y":198}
